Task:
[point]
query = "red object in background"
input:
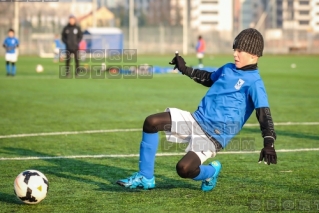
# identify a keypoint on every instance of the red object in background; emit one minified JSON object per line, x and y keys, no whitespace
{"x":201,"y":46}
{"x":114,"y":71}
{"x":82,"y":45}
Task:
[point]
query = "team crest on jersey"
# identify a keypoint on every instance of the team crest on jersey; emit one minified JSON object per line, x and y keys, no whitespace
{"x":239,"y":84}
{"x":75,"y":31}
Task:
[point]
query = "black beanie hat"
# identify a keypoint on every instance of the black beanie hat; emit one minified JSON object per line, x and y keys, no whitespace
{"x":251,"y":41}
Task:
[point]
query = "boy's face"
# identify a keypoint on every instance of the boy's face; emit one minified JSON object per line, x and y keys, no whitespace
{"x":242,"y":58}
{"x":10,"y":34}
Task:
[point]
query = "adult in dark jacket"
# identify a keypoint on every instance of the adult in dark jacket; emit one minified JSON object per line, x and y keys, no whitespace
{"x":71,"y":37}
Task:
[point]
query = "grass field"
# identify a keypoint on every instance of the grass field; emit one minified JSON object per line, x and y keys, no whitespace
{"x":43,"y":103}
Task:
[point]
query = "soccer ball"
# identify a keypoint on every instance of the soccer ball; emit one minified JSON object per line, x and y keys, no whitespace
{"x":31,"y":186}
{"x":39,"y":68}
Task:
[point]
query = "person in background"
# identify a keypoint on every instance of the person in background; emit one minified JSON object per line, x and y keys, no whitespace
{"x":200,"y":50}
{"x":71,"y":37}
{"x":57,"y":45}
{"x":82,"y":49}
{"x":10,"y":44}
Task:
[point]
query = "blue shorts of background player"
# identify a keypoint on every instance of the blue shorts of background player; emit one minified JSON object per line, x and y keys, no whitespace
{"x":235,"y":90}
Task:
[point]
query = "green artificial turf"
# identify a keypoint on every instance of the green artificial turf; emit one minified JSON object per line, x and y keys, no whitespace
{"x":34,"y":102}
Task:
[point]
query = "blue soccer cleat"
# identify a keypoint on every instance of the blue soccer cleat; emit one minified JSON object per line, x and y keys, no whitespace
{"x":210,"y":183}
{"x":137,"y":181}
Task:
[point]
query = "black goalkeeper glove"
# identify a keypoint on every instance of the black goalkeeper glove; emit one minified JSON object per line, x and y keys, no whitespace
{"x":8,"y":48}
{"x":179,"y":63}
{"x":268,"y":153}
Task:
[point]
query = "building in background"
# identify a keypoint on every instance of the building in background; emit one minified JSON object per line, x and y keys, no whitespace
{"x":250,"y":13}
{"x":300,"y":14}
{"x":285,"y":24}
{"x":291,"y":14}
{"x":204,"y":15}
{"x":314,"y":23}
{"x":140,"y":5}
{"x":291,"y":25}
{"x":104,"y":18}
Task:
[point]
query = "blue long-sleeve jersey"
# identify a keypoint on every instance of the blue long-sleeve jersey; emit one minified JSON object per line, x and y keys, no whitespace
{"x":11,"y":43}
{"x":230,"y":101}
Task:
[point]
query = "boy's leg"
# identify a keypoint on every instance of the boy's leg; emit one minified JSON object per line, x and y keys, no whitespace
{"x":200,"y":60}
{"x":148,"y":147}
{"x":149,"y":144}
{"x":190,"y":166}
{"x":13,"y":68}
{"x":201,"y":148}
{"x":56,"y":55}
{"x":77,"y":62}
{"x":67,"y":62}
{"x":8,"y":67}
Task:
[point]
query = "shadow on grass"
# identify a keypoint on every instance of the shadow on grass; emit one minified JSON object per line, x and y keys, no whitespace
{"x":286,"y":133}
{"x":83,"y":171}
{"x":266,"y":187}
{"x":9,"y":198}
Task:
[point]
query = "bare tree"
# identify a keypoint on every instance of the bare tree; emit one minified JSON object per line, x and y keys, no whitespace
{"x":6,"y":14}
{"x":159,"y":12}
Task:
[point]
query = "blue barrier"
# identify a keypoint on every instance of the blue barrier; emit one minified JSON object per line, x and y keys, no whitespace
{"x":162,"y":70}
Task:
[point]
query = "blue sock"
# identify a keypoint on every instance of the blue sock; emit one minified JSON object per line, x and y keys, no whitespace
{"x":13,"y":69}
{"x":8,"y":68}
{"x":148,"y":150}
{"x":206,"y":171}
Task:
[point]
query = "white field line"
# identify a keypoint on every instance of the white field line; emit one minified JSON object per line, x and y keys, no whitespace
{"x":289,"y":124}
{"x":136,"y":155}
{"x":69,"y":133}
{"x":133,"y":130}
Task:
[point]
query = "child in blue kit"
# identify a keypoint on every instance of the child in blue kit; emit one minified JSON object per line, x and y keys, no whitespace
{"x":235,"y":91}
{"x":11,"y":57}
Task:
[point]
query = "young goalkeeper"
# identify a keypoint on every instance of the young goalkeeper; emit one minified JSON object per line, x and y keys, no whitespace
{"x":235,"y":90}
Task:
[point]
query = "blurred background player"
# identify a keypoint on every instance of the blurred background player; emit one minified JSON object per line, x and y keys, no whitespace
{"x":82,"y":49}
{"x":57,"y":45}
{"x":10,"y":44}
{"x":235,"y":91}
{"x":200,"y":50}
{"x":71,"y":37}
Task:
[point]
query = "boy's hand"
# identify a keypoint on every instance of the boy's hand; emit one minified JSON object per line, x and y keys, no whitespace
{"x":268,"y":153}
{"x":179,"y":63}
{"x":8,"y":48}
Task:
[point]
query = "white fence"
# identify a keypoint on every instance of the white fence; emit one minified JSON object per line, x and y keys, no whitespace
{"x":163,"y":40}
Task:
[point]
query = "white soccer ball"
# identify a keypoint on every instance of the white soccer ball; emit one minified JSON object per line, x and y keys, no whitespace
{"x":293,"y":66}
{"x":103,"y":67}
{"x":39,"y":68}
{"x":31,"y":186}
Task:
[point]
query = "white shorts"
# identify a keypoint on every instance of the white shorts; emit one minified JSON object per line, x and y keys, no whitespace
{"x":185,"y":129}
{"x":56,"y":50}
{"x":200,"y":55}
{"x":11,"y":57}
